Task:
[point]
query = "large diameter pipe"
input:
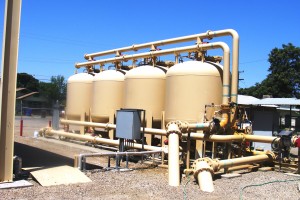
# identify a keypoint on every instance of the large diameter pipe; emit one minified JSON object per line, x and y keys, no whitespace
{"x":202,"y":47}
{"x":100,"y":140}
{"x":204,"y":177}
{"x":111,"y":126}
{"x":244,"y":160}
{"x":216,"y":138}
{"x":263,"y":139}
{"x":173,"y":160}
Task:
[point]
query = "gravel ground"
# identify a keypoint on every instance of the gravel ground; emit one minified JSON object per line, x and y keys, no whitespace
{"x":153,"y":184}
{"x":145,"y":181}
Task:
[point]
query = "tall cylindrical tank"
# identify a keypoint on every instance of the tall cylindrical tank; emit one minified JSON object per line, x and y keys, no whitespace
{"x":108,"y":94}
{"x":79,"y":93}
{"x":145,"y":89}
{"x":189,"y":87}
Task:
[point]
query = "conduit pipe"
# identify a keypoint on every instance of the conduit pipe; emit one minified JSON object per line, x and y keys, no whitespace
{"x":208,"y":35}
{"x":201,"y":47}
{"x":111,"y":126}
{"x":200,"y":125}
{"x":245,"y":160}
{"x":98,"y":140}
{"x":233,"y":138}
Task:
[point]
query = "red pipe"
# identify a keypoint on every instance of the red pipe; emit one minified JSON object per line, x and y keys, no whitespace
{"x":21,"y":127}
{"x":49,"y":123}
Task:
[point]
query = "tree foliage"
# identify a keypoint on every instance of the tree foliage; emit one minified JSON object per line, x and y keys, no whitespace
{"x":284,"y":77}
{"x":54,"y":91}
{"x":27,"y":81}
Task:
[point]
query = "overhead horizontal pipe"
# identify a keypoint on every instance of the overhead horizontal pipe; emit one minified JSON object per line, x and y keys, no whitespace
{"x":207,"y":35}
{"x":201,"y":47}
{"x":233,"y":138}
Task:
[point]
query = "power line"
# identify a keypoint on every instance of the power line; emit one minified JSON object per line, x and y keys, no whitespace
{"x":252,"y":61}
{"x":56,"y":39}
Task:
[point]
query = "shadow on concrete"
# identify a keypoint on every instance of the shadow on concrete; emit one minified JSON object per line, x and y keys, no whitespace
{"x":33,"y":157}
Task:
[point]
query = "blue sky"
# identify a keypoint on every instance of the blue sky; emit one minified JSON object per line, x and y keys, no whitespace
{"x":55,"y":34}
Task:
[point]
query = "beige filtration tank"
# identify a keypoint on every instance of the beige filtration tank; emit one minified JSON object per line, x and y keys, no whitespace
{"x":145,"y":89}
{"x":79,"y":93}
{"x":108,"y":94}
{"x":189,"y":87}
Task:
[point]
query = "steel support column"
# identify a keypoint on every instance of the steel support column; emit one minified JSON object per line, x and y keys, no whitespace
{"x":8,"y":89}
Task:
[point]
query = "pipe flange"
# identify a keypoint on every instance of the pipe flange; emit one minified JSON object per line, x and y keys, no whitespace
{"x":183,"y":126}
{"x":173,"y":128}
{"x":197,"y":171}
{"x":209,"y":34}
{"x":271,"y":154}
{"x":213,"y":164}
{"x":47,"y":131}
{"x":208,"y":169}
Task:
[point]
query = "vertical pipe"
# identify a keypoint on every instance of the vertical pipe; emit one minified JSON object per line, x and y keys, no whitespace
{"x":173,"y":159}
{"x":8,"y":82}
{"x":21,"y":127}
{"x":235,"y":58}
{"x":49,"y":123}
{"x":226,"y":74}
{"x":188,"y":151}
{"x":235,"y":66}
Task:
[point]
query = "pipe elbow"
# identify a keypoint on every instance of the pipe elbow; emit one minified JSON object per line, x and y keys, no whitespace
{"x":77,"y":66}
{"x":233,"y":33}
{"x":271,"y":155}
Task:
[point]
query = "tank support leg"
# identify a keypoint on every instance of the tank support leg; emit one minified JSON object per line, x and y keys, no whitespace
{"x":148,"y":125}
{"x":199,"y":149}
{"x":82,"y":118}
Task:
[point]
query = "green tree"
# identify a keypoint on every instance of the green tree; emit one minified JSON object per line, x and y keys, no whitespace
{"x":284,"y":77}
{"x":27,"y":81}
{"x":54,"y":91}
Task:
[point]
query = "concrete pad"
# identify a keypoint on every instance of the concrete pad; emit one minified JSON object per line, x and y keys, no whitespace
{"x":61,"y":175}
{"x":234,"y":175}
{"x":15,"y":184}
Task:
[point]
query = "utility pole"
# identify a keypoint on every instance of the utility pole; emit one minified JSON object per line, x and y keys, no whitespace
{"x":9,"y":63}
